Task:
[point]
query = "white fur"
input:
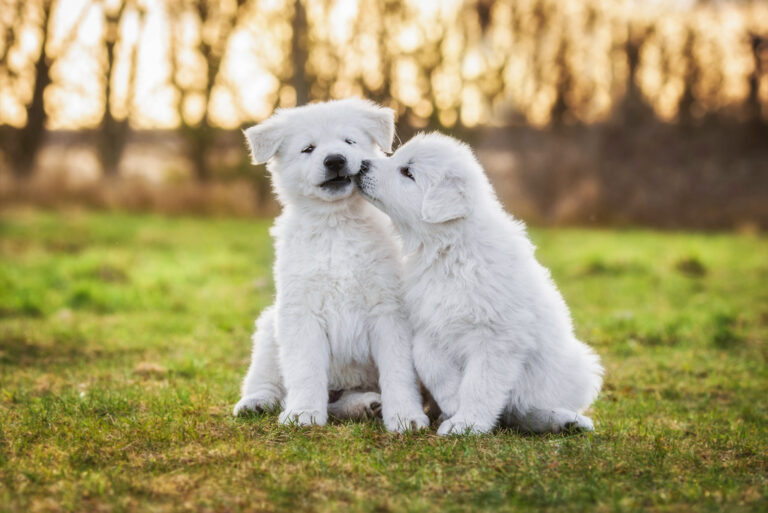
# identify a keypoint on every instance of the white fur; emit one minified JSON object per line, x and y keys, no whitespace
{"x":354,"y":404}
{"x":494,"y":340}
{"x":338,"y":321}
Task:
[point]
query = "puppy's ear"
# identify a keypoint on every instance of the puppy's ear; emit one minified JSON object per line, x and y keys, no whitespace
{"x":445,"y":201}
{"x":379,"y":123}
{"x":264,"y":139}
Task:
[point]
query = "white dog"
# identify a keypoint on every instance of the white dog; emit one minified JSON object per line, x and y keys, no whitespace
{"x":494,"y":340}
{"x":338,"y":321}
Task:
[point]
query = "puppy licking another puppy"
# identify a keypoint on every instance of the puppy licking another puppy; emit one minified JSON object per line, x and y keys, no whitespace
{"x":493,"y":337}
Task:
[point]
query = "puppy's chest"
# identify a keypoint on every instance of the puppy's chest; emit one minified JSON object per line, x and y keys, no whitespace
{"x":448,"y":304}
{"x":334,"y":273}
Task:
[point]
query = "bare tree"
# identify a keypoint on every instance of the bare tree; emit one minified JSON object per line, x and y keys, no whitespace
{"x":300,"y":53}
{"x":23,"y":144}
{"x":386,"y":17}
{"x":759,"y":45}
{"x":32,"y":134}
{"x":11,"y":17}
{"x":633,"y":107}
{"x":216,"y":21}
{"x":686,"y":107}
{"x":387,"y":13}
{"x":113,"y":132}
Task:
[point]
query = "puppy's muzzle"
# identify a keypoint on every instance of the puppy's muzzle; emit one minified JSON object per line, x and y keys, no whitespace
{"x":337,"y":174}
{"x":362,"y":178}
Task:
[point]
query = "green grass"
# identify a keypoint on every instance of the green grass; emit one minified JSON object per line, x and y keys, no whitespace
{"x":123,"y":340}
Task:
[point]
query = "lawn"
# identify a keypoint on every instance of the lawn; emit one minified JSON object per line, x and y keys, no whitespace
{"x":123,"y":340}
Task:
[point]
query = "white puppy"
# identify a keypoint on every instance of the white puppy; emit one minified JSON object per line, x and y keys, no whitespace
{"x":494,"y":340}
{"x":338,"y":321}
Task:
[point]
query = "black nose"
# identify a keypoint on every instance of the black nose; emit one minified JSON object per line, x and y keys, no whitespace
{"x":335,"y":162}
{"x":365,"y":166}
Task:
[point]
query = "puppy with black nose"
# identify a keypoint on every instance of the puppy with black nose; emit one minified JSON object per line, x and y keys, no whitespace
{"x":493,"y":336}
{"x":338,"y":321}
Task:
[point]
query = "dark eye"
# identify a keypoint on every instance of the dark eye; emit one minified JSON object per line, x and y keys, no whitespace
{"x":405,"y":171}
{"x":349,"y":141}
{"x":309,"y":149}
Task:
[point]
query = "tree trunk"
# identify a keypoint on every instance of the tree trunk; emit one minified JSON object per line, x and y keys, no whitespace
{"x":199,"y":136}
{"x":687,"y":104}
{"x":113,"y":133}
{"x":633,"y":108}
{"x":199,"y":143}
{"x":32,"y":135}
{"x":300,"y":53}
{"x":561,"y":108}
{"x":760,"y":55}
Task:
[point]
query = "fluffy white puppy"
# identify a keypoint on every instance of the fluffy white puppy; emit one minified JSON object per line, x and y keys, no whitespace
{"x":494,"y":340}
{"x":338,"y":321}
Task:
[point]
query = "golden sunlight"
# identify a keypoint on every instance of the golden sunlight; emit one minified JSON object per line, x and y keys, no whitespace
{"x":548,"y":61}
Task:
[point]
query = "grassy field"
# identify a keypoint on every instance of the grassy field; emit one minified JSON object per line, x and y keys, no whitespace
{"x":123,"y":340}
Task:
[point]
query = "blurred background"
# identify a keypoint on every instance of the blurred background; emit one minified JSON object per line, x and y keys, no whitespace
{"x":593,"y":112}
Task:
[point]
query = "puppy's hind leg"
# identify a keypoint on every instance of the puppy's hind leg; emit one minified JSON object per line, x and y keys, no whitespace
{"x":486,"y":382}
{"x":542,"y":420}
{"x":263,"y":384}
{"x":354,"y":404}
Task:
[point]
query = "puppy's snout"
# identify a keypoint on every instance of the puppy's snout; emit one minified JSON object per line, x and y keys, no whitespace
{"x":365,"y":166}
{"x":335,"y":162}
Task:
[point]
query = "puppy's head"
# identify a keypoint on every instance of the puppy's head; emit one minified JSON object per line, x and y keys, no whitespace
{"x":314,"y":151}
{"x":431,"y":180}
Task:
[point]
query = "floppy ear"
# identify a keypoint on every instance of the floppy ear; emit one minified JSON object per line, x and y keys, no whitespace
{"x":264,"y":139}
{"x":445,"y":201}
{"x":379,"y":123}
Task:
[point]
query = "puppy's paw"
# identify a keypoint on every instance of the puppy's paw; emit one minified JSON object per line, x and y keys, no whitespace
{"x":400,"y":423}
{"x":255,"y":403}
{"x":578,"y":424}
{"x":297,"y":417}
{"x":454,"y":426}
{"x":357,"y":405}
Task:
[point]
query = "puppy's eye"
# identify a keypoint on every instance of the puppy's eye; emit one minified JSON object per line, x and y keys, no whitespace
{"x":349,"y":141}
{"x":309,"y":149}
{"x":406,"y":172}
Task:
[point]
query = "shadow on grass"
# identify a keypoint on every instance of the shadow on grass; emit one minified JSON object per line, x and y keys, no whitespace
{"x":19,"y":350}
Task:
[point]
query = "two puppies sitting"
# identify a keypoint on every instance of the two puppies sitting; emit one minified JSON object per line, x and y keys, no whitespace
{"x":468,"y":309}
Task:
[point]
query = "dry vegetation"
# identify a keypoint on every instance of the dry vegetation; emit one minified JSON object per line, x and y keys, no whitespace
{"x":617,"y":102}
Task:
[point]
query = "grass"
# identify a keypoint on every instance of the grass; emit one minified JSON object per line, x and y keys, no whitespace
{"x":123,"y":340}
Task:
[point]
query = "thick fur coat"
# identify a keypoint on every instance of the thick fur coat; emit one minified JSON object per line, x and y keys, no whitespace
{"x":338,"y":321}
{"x":494,"y":340}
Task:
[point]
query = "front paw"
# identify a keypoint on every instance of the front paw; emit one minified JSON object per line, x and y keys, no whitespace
{"x":454,"y":426}
{"x":578,"y":424}
{"x":299,"y":417}
{"x":400,"y":423}
{"x":255,"y":403}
